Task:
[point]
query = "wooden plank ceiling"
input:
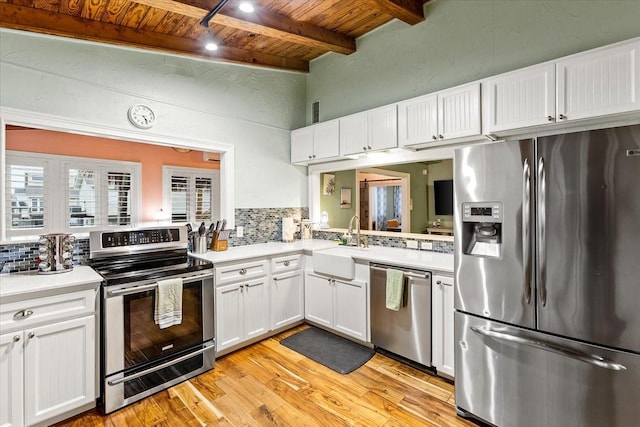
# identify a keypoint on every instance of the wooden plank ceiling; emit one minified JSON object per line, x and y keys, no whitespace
{"x":282,"y":34}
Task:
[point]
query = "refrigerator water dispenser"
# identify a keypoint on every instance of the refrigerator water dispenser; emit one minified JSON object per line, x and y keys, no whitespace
{"x":482,"y":229}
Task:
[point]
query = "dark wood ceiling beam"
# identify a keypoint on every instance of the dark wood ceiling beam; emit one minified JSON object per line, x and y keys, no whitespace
{"x":264,"y":22}
{"x":29,"y":19}
{"x":409,"y":11}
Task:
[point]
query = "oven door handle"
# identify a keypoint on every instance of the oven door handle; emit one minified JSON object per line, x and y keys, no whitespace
{"x":208,"y":346}
{"x":151,"y":286}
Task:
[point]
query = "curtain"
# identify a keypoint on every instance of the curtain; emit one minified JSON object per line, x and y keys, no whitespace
{"x":381,"y":208}
{"x":397,"y":203}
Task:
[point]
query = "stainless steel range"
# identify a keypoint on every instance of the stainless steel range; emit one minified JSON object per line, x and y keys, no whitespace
{"x":138,"y":357}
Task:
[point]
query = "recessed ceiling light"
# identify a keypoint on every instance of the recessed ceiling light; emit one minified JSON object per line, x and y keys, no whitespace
{"x":211,"y":46}
{"x":246,"y":7}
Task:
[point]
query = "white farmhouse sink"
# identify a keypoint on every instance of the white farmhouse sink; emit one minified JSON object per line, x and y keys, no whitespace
{"x":334,"y":262}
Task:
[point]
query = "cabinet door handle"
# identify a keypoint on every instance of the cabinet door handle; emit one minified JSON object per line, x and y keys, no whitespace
{"x":549,"y":118}
{"x":286,"y":263}
{"x":369,"y":147}
{"x":22,"y":314}
{"x":441,"y":137}
{"x":314,"y":156}
{"x":439,"y":282}
{"x":243,"y":271}
{"x":364,"y":148}
{"x":31,"y":334}
{"x":310,"y":156}
{"x":562,"y":117}
{"x":434,"y":137}
{"x":16,"y":338}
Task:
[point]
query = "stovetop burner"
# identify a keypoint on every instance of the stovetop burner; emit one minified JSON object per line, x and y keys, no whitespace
{"x":142,"y":255}
{"x":141,"y":267}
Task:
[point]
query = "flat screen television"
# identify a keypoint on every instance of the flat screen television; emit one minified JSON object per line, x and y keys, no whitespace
{"x":443,"y":196}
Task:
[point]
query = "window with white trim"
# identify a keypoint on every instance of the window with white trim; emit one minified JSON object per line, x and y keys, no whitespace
{"x":191,"y":194}
{"x":50,"y":193}
{"x":25,"y":194}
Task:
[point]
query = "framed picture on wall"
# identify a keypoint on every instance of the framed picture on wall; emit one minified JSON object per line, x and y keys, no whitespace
{"x":328,"y":184}
{"x":345,"y":198}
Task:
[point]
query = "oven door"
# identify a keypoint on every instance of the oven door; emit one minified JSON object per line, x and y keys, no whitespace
{"x":139,"y":357}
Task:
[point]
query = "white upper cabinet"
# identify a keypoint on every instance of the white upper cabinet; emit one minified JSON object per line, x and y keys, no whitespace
{"x":383,"y":128}
{"x":459,"y":112}
{"x":371,"y":130}
{"x":315,"y":143}
{"x":440,"y":117}
{"x":521,"y":98}
{"x":597,"y":83}
{"x":588,"y":85}
{"x":418,"y":120}
{"x":354,"y":137}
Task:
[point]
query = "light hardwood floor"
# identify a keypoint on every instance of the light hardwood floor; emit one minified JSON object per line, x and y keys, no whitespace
{"x":269,"y":384}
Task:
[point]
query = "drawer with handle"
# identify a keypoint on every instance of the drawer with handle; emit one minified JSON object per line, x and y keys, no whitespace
{"x":241,"y":271}
{"x":286,"y":263}
{"x":28,"y":313}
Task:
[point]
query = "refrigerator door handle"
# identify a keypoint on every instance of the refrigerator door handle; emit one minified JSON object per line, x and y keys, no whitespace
{"x":541,"y":208}
{"x":526,"y":228}
{"x":591,"y":359}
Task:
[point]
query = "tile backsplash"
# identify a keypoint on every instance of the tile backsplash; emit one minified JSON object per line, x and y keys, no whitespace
{"x":23,"y":256}
{"x":261,"y":225}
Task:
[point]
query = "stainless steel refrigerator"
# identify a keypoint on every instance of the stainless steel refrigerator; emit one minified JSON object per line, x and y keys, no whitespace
{"x":547,"y":269}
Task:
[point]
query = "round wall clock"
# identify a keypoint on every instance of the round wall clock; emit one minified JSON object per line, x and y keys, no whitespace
{"x":141,"y":116}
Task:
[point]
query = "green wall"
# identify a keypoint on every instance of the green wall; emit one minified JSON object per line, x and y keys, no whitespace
{"x":418,"y":192}
{"x":461,"y":41}
{"x":338,"y":217}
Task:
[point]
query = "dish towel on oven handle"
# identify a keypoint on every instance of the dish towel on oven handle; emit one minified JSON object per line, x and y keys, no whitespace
{"x":168,"y":310}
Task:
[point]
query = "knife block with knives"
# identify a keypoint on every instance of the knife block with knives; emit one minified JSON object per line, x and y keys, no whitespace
{"x":220,"y":236}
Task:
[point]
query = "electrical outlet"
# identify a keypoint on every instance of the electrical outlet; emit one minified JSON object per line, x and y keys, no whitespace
{"x":426,"y":246}
{"x":412,"y":244}
{"x":239,"y":231}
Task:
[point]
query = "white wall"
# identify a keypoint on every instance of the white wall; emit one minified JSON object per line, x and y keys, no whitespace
{"x":462,"y":41}
{"x":249,"y":108}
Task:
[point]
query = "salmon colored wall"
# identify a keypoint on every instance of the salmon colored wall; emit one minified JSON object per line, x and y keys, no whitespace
{"x":152,"y":157}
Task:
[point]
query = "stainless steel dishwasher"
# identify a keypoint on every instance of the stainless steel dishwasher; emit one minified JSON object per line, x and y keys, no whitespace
{"x":406,"y":332}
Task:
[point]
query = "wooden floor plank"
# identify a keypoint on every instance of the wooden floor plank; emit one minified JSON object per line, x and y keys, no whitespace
{"x":269,"y":384}
{"x":201,"y":408}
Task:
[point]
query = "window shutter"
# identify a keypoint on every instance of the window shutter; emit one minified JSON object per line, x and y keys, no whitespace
{"x":83,"y":205}
{"x":203,"y":199}
{"x":180,"y":198}
{"x":119,"y":198}
{"x":25,"y":195}
{"x":190,"y":193}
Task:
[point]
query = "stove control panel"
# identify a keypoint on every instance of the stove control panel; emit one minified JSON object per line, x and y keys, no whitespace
{"x":140,"y":237}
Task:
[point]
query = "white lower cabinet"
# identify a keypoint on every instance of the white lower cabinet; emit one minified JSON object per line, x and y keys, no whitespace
{"x":287,"y":299}
{"x":442,"y":324}
{"x":241,"y":312}
{"x":47,"y":369}
{"x":337,"y":304}
{"x":59,"y":371}
{"x":11,"y":383}
{"x":350,"y":308}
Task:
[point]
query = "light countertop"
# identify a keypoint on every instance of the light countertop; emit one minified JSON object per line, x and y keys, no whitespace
{"x":30,"y":284}
{"x":238,"y":253}
{"x":410,"y":258}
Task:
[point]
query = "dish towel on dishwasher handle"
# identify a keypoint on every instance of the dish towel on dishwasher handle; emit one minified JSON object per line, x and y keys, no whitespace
{"x":168,"y":310}
{"x":395,"y":282}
